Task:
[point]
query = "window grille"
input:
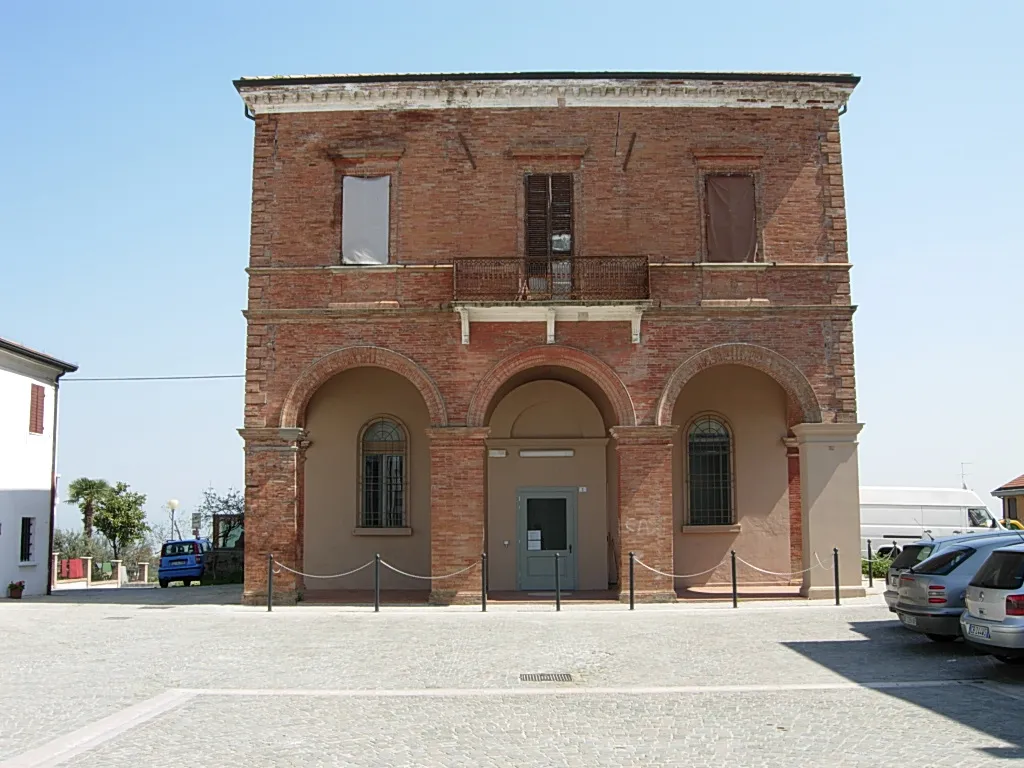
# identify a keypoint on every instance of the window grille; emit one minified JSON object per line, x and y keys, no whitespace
{"x":709,"y":472}
{"x":384,"y":450}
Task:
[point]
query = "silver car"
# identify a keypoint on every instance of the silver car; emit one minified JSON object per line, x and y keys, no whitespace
{"x":931,"y":593}
{"x":921,"y":550}
{"x":994,"y":619}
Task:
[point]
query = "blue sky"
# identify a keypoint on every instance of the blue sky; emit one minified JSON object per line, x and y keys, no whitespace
{"x":125,"y":189}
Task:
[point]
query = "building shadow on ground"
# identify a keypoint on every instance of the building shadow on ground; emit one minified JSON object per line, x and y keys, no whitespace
{"x":887,"y":653}
{"x":222,"y":594}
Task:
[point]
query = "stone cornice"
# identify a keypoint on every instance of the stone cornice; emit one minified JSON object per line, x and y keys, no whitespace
{"x":281,"y":95}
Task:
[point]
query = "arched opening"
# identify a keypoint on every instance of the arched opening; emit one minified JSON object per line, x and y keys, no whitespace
{"x":730,"y":475}
{"x":366,"y":481}
{"x":551,"y":487}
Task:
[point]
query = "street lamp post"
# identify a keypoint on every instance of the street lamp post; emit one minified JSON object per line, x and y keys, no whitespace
{"x":172,"y":505}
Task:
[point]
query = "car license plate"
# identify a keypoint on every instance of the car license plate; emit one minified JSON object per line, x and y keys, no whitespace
{"x":910,"y":621}
{"x":977,"y":631}
{"x":177,"y":562}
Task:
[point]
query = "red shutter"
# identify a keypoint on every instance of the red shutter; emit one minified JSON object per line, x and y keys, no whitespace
{"x":35,"y":413}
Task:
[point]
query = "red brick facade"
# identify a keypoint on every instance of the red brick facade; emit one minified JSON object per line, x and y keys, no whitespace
{"x":457,"y":191}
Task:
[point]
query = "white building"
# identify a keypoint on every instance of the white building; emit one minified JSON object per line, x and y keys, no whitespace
{"x":28,"y":461}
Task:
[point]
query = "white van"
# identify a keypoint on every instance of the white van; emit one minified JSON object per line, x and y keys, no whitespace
{"x":893,"y":517}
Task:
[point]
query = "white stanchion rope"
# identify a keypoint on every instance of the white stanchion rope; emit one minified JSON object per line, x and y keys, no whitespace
{"x":678,"y":575}
{"x":774,"y":573}
{"x":429,"y":578}
{"x":317,"y":576}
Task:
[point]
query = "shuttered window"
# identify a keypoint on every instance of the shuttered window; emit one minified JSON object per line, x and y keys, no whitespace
{"x":548,"y":216}
{"x":731,"y":218}
{"x":35,"y":412}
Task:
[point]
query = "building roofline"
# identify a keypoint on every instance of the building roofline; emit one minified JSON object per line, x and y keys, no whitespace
{"x":37,"y":357}
{"x":458,"y":77}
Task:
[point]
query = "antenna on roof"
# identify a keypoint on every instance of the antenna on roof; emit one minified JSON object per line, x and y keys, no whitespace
{"x":963,"y":473}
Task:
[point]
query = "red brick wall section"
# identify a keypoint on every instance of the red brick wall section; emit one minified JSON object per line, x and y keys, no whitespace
{"x":552,"y":355}
{"x":796,"y":530}
{"x":293,"y":412}
{"x":645,"y":508}
{"x":272,"y":517}
{"x":755,"y":356}
{"x":457,"y":511}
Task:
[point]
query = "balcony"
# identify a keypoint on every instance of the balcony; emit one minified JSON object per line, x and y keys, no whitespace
{"x":521,"y":290}
{"x":587,"y":279}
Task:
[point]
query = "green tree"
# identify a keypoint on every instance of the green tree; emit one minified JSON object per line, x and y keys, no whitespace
{"x":223,"y":515}
{"x":120,"y":518}
{"x":87,"y":493}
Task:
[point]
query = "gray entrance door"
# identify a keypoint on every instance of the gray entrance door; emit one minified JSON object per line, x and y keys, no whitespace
{"x":546,"y":519}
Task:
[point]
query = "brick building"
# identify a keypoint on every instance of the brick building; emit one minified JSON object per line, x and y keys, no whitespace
{"x":583,"y":313}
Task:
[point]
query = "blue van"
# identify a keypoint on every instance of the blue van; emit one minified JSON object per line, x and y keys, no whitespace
{"x":183,"y":561}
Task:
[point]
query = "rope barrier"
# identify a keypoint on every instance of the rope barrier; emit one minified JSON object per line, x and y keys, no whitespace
{"x":429,"y":578}
{"x":315,"y":576}
{"x":821,"y":564}
{"x":775,"y":573}
{"x":677,"y":575}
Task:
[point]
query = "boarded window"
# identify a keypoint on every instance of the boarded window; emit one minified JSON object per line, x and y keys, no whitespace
{"x":35,"y":411}
{"x":709,"y":472}
{"x":28,"y":542}
{"x":731,"y":218}
{"x":365,"y":219}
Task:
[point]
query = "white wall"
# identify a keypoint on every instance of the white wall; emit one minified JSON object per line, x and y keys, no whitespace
{"x":25,"y":466}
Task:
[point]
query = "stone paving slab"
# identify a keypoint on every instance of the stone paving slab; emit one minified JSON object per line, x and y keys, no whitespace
{"x":782,"y":729}
{"x":69,"y":664}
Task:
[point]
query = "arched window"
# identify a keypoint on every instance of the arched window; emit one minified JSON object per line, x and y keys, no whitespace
{"x":383,"y":455}
{"x":709,"y":472}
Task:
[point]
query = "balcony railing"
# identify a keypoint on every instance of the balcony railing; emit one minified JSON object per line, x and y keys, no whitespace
{"x":579,"y":279}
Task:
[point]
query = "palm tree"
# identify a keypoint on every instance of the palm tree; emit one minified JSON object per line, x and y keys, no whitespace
{"x":86,"y":493}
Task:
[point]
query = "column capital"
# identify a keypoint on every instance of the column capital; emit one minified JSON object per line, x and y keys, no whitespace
{"x":826,"y":433}
{"x":644,"y":435}
{"x":274,"y":438}
{"x":457,"y":434}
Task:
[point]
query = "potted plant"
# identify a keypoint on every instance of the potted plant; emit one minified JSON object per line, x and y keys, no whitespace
{"x":14,"y":589}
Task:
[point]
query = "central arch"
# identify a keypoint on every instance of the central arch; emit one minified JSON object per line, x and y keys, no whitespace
{"x":551,"y":356}
{"x":313,"y":376}
{"x":792,"y":380}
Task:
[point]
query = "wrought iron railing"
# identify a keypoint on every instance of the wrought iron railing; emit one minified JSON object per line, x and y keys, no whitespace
{"x":581,"y":278}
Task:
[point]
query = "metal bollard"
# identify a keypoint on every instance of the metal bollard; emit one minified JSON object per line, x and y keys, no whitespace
{"x":558,"y":586}
{"x":871,"y":575}
{"x":483,"y":582}
{"x":270,"y":581}
{"x":735,"y":593}
{"x":376,"y":583}
{"x":835,"y":570}
{"x":632,"y":557}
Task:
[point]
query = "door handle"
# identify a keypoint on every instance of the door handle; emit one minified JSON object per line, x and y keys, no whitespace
{"x":570,"y":549}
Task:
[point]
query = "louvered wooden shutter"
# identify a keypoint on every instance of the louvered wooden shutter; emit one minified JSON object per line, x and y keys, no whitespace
{"x":537,"y":239}
{"x":35,"y":413}
{"x":561,"y":211}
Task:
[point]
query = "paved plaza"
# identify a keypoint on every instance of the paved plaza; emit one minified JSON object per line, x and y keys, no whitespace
{"x":189,"y":677}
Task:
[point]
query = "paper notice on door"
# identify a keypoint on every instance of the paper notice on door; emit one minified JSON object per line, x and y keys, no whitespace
{"x":533,"y":544}
{"x":533,"y":535}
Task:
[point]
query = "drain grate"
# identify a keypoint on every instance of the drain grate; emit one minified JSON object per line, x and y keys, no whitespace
{"x":117,"y":618}
{"x":545,"y":677}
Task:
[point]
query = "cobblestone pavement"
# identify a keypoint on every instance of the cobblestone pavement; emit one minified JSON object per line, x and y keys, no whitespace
{"x":144,"y":679}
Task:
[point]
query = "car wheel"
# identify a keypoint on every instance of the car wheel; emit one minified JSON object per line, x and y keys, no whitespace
{"x":164,"y":583}
{"x":1010,"y":659}
{"x":187,"y":582}
{"x":941,"y":638}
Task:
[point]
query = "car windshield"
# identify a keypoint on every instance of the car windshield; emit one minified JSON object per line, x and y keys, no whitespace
{"x":177,"y":548}
{"x":980,"y":517}
{"x":1002,"y":570}
{"x":911,"y":555}
{"x":944,"y":563}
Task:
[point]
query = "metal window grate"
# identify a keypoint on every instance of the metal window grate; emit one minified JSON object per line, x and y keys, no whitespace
{"x":545,"y":677}
{"x":383,"y":475}
{"x":709,"y":475}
